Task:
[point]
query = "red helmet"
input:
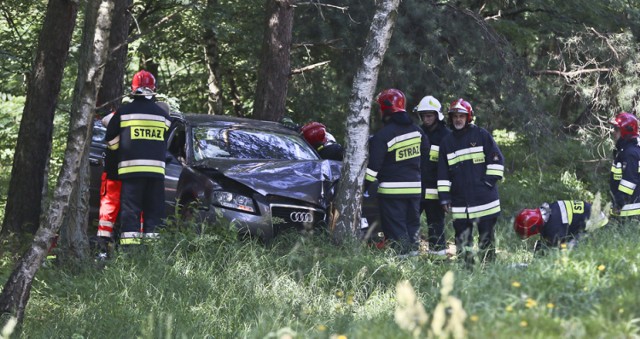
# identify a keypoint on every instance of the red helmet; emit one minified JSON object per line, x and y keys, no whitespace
{"x":391,"y":101}
{"x":462,"y":106}
{"x":528,"y":222}
{"x":627,"y":124}
{"x":314,"y":133}
{"x":143,"y":83}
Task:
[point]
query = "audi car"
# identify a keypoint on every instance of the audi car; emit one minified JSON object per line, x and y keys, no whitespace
{"x":260,"y":176}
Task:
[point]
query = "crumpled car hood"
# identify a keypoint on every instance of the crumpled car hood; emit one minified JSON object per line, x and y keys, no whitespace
{"x":310,"y":181}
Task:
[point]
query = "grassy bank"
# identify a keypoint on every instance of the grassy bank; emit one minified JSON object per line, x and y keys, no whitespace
{"x":186,"y":286}
{"x":214,"y":286}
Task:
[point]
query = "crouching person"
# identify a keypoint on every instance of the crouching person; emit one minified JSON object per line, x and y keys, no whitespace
{"x":560,"y":224}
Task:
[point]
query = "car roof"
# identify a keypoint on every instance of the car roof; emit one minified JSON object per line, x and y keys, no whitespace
{"x":195,"y":119}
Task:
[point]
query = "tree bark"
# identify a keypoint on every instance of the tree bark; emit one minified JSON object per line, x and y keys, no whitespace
{"x":212,"y":56}
{"x":15,"y":294}
{"x":346,"y":211}
{"x":275,"y":62}
{"x":28,"y":174}
{"x":73,"y":241}
{"x":112,"y":87}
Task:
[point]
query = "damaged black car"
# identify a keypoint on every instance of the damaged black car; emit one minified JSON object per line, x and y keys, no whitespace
{"x":260,"y":176}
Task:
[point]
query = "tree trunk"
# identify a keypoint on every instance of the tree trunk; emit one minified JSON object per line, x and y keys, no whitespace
{"x":73,"y":241}
{"x":112,"y":87}
{"x":28,"y":178}
{"x":15,"y":294}
{"x":346,"y":211}
{"x":212,"y":56}
{"x":275,"y":62}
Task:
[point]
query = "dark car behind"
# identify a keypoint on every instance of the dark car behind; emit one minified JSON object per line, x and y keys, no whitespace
{"x":258,"y":175}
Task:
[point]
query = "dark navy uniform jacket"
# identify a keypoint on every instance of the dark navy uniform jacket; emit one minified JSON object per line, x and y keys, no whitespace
{"x":395,"y":157}
{"x":138,"y":132}
{"x":430,"y":168}
{"x":567,"y":219}
{"x":625,"y":177}
{"x":331,"y":151}
{"x":469,"y":166}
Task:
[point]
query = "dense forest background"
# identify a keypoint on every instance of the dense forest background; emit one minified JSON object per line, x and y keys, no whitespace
{"x":536,"y":72}
{"x":531,"y":66}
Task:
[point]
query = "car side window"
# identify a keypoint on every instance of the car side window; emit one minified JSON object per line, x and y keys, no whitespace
{"x":177,"y":144}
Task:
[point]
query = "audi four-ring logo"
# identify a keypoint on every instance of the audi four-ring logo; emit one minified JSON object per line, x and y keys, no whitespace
{"x":301,"y":216}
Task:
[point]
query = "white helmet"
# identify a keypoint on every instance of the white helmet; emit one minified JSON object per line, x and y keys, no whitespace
{"x":429,"y":104}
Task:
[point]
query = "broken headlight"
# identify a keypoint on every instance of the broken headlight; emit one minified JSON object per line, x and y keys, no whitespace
{"x":233,"y":200}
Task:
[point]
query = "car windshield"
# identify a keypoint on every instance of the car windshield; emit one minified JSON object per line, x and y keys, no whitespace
{"x":233,"y":143}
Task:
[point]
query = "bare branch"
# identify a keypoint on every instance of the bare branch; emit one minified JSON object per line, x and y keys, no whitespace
{"x":316,"y":44}
{"x":571,"y":74}
{"x":601,"y":36}
{"x":158,"y":24}
{"x":318,"y":4}
{"x":307,"y":68}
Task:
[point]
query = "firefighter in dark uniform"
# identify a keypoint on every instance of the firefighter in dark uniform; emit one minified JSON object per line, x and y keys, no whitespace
{"x":316,"y":135}
{"x":433,"y":125}
{"x":138,"y":132}
{"x":625,"y":175}
{"x":562,"y":222}
{"x":469,"y":167}
{"x":395,"y":160}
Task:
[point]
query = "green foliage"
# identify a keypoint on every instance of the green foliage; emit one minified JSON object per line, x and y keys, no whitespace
{"x":546,"y":170}
{"x":193,"y":286}
{"x":19,"y":29}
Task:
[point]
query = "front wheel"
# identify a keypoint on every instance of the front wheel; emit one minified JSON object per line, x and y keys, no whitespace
{"x":196,"y":218}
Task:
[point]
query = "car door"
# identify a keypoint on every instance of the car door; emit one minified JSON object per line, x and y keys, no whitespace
{"x":96,"y":167}
{"x":176,"y":156}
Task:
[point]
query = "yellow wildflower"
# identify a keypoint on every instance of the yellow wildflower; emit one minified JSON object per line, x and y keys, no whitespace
{"x":321,"y":328}
{"x":342,"y":336}
{"x":339,"y":294}
{"x":350,"y":299}
{"x":524,"y":323}
{"x":531,"y":303}
{"x":509,"y":308}
{"x":550,"y":305}
{"x":563,"y":246}
{"x":516,"y":284}
{"x":474,"y":318}
{"x":601,"y":268}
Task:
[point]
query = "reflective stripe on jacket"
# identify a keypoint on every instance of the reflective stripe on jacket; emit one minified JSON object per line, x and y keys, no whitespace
{"x":395,"y":157}
{"x":469,"y":166}
{"x":567,"y":219}
{"x":138,"y":131}
{"x":625,"y":177}
{"x":430,"y":168}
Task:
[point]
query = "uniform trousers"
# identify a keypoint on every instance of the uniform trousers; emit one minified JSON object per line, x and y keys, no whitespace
{"x":140,"y":195}
{"x":435,"y":219}
{"x":400,"y":219}
{"x":464,"y":238}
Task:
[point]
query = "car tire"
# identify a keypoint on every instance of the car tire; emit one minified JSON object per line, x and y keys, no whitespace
{"x":196,"y":218}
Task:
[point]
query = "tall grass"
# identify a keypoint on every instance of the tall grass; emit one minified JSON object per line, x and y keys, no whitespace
{"x":188,"y":286}
{"x":303,"y":286}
